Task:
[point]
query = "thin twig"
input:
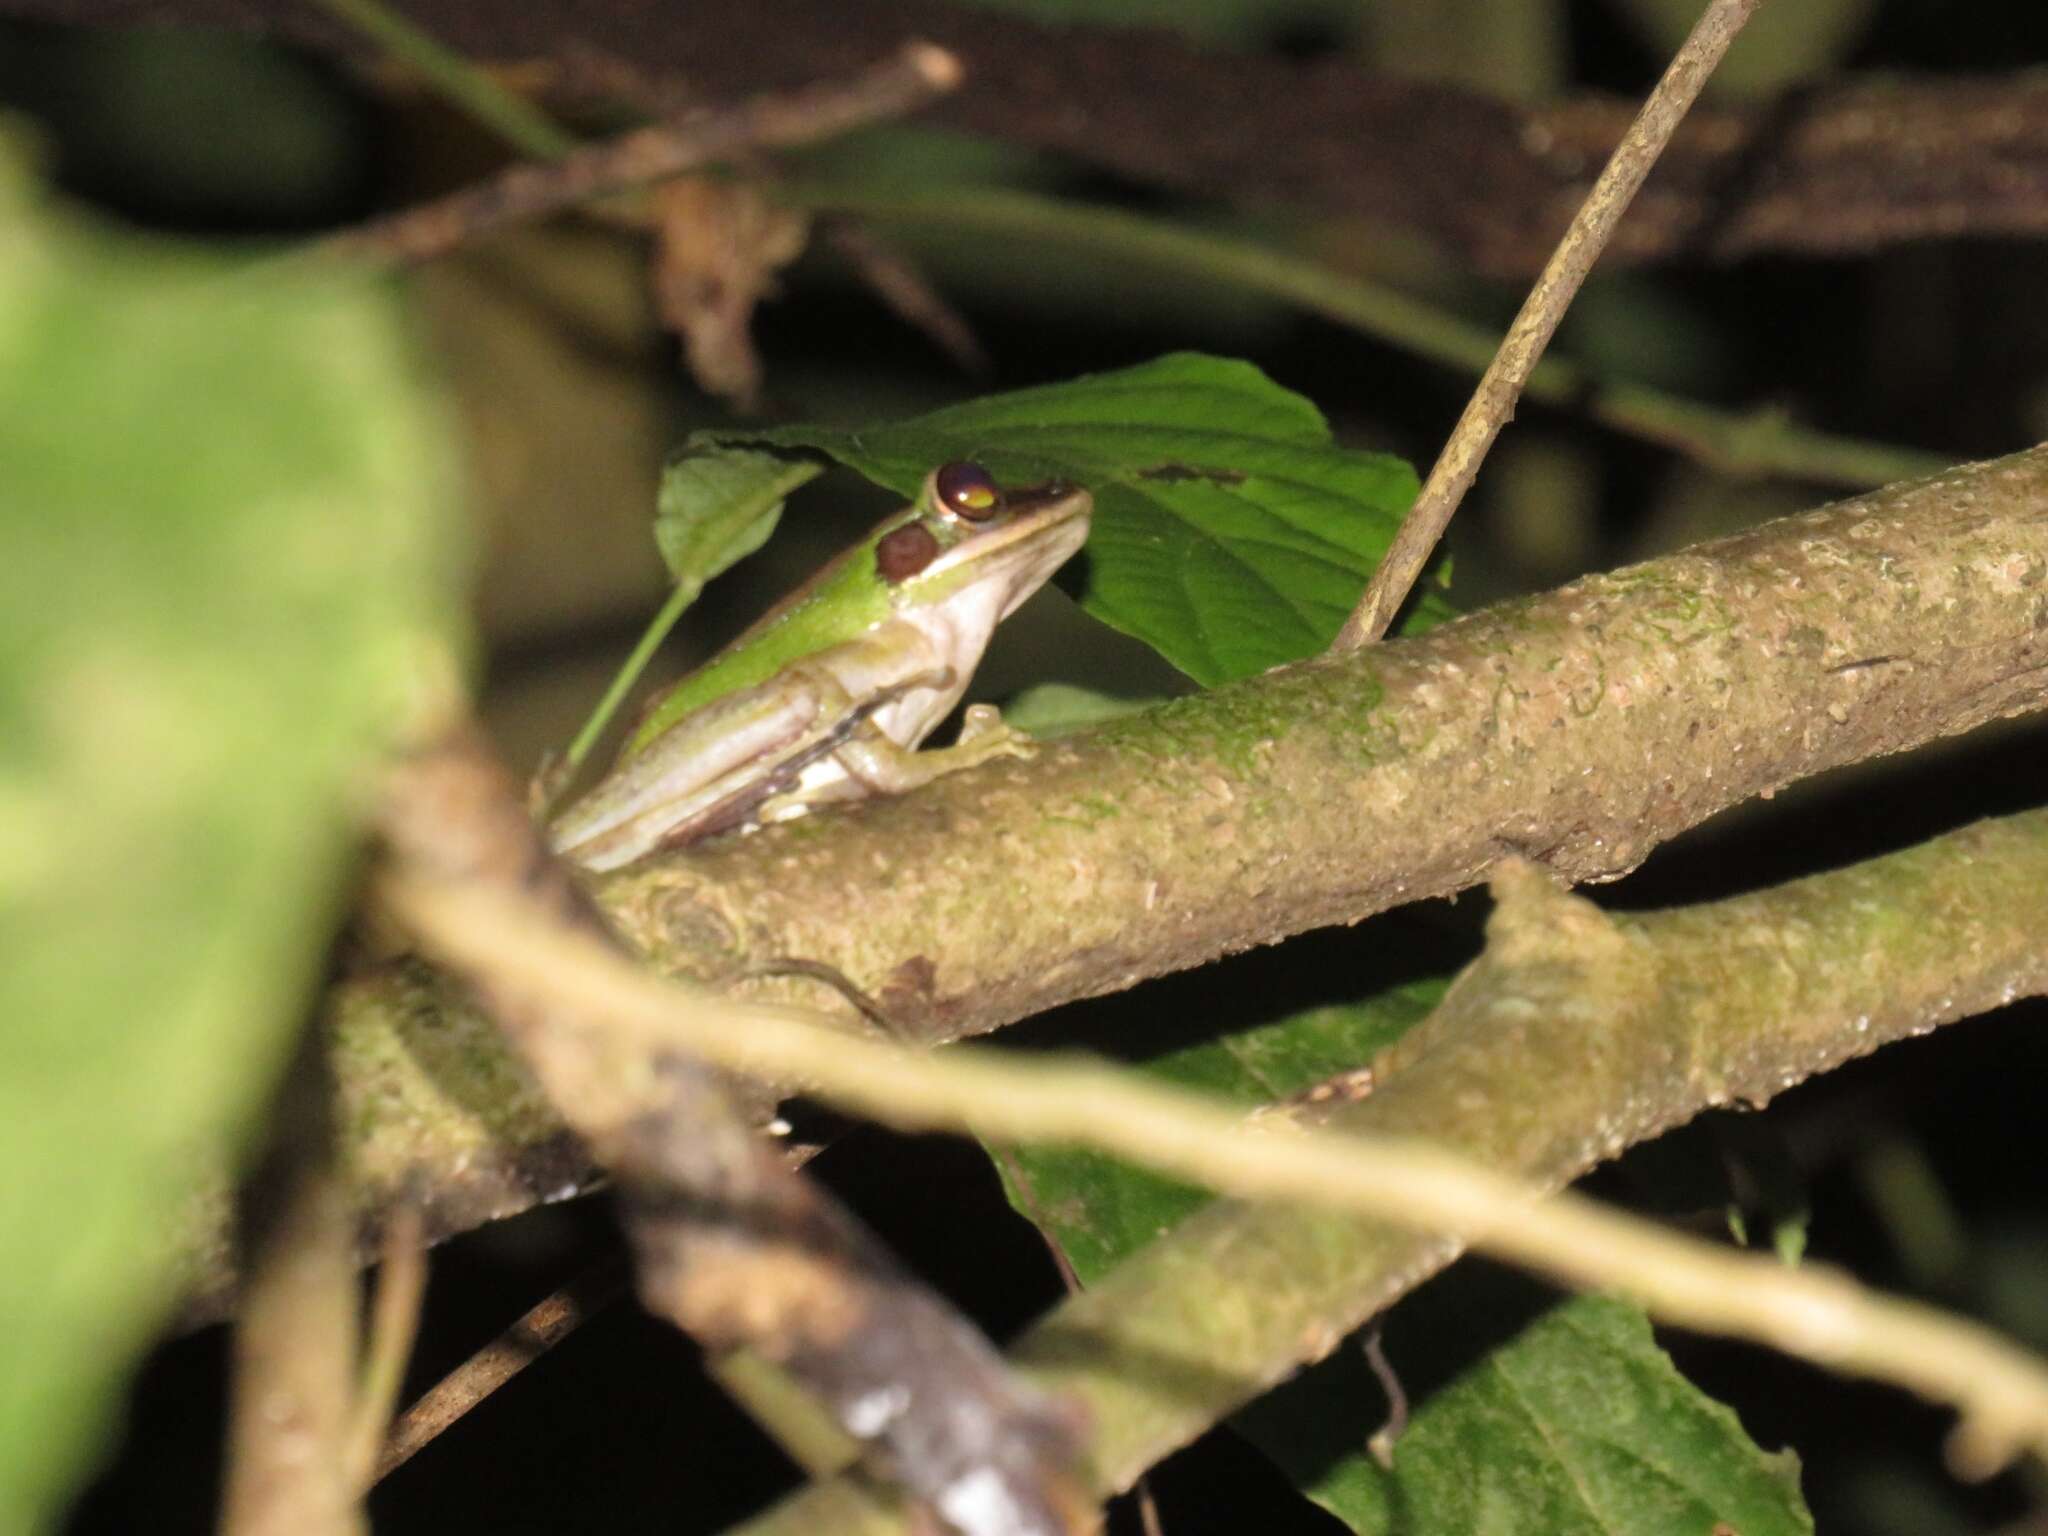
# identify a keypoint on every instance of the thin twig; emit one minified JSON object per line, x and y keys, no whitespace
{"x":1493,"y":402}
{"x":295,"y":1340}
{"x":890,"y":273}
{"x":544,"y":1326}
{"x":387,"y":1348}
{"x":1383,"y":1440}
{"x":896,"y":280}
{"x":912,"y":76}
{"x":2000,"y":1389}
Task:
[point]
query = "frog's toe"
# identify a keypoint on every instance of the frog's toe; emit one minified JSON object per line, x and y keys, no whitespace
{"x":984,"y":726}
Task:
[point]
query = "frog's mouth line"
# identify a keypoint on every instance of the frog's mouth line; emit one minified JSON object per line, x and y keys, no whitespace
{"x":1029,"y":514}
{"x":1033,"y":498}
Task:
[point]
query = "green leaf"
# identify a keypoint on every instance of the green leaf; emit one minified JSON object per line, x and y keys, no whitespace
{"x":1231,"y":534}
{"x":1101,"y":1210}
{"x":715,"y":509}
{"x":1579,"y":1424}
{"x":1054,"y":709}
{"x":227,"y":513}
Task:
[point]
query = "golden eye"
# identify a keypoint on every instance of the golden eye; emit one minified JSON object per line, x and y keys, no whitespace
{"x":905,"y":551}
{"x":969,"y":490}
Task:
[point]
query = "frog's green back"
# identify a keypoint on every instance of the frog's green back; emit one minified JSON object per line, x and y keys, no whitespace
{"x":844,"y":599}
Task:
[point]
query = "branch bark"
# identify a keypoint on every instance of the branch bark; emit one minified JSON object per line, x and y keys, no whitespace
{"x":1669,"y":1010}
{"x":1848,"y":168}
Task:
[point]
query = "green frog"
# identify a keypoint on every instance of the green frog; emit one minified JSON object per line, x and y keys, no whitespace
{"x":828,"y":696}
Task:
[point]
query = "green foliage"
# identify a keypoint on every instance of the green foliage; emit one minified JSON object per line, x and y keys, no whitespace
{"x":716,"y":509}
{"x":1578,"y":1426}
{"x":1054,"y":709}
{"x":227,"y":556}
{"x":1101,"y":1210}
{"x":1231,"y":534}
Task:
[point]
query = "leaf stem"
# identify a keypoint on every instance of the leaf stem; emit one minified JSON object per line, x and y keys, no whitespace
{"x":462,"y":83}
{"x":685,"y":593}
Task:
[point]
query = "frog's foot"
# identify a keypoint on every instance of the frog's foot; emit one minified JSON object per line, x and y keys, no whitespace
{"x":787,"y":807}
{"x":883,"y":767}
{"x":986,"y":734}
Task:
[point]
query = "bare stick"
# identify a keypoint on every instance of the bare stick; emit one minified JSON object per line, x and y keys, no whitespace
{"x":294,"y":1386}
{"x":544,"y":1326}
{"x":1381,"y":1446}
{"x":914,"y":75}
{"x":1493,"y":402}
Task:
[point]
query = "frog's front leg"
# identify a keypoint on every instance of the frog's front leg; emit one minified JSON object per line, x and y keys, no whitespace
{"x":886,"y":768}
{"x":870,"y":762}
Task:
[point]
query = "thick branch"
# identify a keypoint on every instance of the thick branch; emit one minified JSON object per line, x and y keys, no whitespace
{"x":1850,"y":168}
{"x":1582,"y":727}
{"x":1560,"y":981}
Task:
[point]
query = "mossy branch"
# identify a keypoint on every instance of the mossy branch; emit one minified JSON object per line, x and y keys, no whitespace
{"x":1581,"y":727}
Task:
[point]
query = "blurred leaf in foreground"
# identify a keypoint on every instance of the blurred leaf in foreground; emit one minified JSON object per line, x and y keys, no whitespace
{"x":229,"y":566}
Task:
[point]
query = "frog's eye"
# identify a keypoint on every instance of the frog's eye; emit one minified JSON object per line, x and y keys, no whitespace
{"x":905,"y":551}
{"x":968,"y":490}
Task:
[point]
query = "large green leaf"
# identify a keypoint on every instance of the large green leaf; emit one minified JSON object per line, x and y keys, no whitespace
{"x":1100,"y":1209}
{"x":226,"y":513}
{"x":1578,"y":1426}
{"x":1055,"y":709}
{"x":1231,"y":534}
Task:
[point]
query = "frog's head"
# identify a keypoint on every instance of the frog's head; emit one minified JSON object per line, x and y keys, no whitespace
{"x":968,"y":535}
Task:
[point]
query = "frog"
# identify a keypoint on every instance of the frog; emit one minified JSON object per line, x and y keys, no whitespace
{"x":830,"y":694}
